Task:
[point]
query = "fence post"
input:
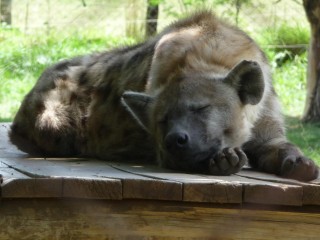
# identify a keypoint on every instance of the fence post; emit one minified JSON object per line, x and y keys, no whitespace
{"x":5,"y":11}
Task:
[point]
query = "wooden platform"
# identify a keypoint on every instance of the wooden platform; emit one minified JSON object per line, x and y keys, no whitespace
{"x":74,"y":198}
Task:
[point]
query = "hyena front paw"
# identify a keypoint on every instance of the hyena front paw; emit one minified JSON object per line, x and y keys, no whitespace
{"x":299,"y":167}
{"x":228,"y":161}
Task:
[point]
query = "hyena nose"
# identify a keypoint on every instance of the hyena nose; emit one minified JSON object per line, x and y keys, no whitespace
{"x":177,"y":141}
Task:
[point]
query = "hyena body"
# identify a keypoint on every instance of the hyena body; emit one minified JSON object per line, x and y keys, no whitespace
{"x":200,"y":93}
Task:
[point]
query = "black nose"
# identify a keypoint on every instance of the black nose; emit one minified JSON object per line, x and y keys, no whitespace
{"x":177,"y":141}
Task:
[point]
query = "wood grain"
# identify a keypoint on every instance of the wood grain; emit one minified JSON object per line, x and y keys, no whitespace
{"x":152,"y":189}
{"x":31,"y":188}
{"x":88,"y":219}
{"x":214,"y":192}
{"x":29,"y":177}
{"x":92,"y":188}
{"x":195,"y":187}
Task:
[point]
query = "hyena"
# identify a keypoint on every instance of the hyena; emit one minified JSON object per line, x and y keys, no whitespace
{"x":197,"y":97}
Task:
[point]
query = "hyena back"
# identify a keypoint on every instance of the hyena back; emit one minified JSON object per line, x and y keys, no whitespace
{"x":198,"y":97}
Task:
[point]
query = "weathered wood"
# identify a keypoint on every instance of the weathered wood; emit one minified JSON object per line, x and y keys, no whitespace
{"x":273,"y":194}
{"x":310,"y":191}
{"x":9,"y":173}
{"x":79,"y":219}
{"x":195,"y":187}
{"x":226,"y":189}
{"x":158,"y":190}
{"x":31,"y":188}
{"x":214,"y":192}
{"x":92,"y":188}
{"x":28,"y":177}
{"x":85,"y":178}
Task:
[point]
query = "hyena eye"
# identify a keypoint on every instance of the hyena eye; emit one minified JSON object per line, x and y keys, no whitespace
{"x":163,"y":120}
{"x":199,"y":109}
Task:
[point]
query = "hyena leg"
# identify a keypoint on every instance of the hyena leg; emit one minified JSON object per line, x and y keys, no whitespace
{"x":269,"y":151}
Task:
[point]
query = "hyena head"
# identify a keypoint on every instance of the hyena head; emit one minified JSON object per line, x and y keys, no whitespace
{"x":194,"y":116}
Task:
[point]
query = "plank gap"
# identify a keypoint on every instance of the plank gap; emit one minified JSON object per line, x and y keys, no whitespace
{"x":28,"y":174}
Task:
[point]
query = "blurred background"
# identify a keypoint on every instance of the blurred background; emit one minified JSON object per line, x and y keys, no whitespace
{"x":37,"y":33}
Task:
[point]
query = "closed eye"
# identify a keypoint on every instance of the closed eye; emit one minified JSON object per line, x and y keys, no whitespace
{"x":201,"y":108}
{"x":163,"y":120}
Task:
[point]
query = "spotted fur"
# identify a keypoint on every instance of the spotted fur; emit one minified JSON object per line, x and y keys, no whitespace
{"x":198,"y":97}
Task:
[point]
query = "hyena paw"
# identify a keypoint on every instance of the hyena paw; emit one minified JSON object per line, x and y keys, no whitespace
{"x":299,"y":167}
{"x":228,"y":161}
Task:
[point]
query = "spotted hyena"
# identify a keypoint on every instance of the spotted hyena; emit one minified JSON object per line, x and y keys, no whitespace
{"x":197,"y":97}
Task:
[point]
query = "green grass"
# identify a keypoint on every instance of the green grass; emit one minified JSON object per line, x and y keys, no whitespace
{"x":284,"y":34}
{"x":306,"y":136}
{"x":23,"y":58}
{"x":289,"y":80}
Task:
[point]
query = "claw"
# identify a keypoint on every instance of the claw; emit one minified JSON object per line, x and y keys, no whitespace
{"x":228,"y":161}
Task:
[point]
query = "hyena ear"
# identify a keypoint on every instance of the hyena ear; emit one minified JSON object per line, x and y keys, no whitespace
{"x":137,"y":104}
{"x":247,"y":78}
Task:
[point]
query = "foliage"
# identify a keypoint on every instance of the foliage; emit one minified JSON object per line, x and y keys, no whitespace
{"x":290,"y":82}
{"x":286,"y":41}
{"x":285,"y":34}
{"x":306,"y":136}
{"x":288,"y":64}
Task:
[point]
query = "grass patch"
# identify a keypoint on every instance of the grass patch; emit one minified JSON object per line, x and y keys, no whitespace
{"x":306,"y":136}
{"x":285,"y":34}
{"x":289,"y":80}
{"x":23,"y":59}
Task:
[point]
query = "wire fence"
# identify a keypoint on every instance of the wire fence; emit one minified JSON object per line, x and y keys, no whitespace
{"x":269,"y":20}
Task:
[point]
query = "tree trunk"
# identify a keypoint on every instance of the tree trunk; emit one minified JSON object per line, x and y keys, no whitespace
{"x":5,"y":11}
{"x":152,"y":18}
{"x":312,"y":106}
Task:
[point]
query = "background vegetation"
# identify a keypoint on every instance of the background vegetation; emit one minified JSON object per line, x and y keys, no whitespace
{"x":44,"y":32}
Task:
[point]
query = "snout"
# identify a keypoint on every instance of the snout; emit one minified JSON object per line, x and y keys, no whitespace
{"x":177,"y":142}
{"x":186,"y":148}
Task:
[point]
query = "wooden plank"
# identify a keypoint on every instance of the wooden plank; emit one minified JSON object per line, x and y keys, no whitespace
{"x":9,"y":173}
{"x":225,"y":189}
{"x":18,"y":185}
{"x":214,"y":192}
{"x":265,"y":192}
{"x":311,"y":194}
{"x":150,"y":182}
{"x":31,"y":188}
{"x":152,"y":189}
{"x":273,"y":194}
{"x":85,"y":178}
{"x":252,"y":174}
{"x":310,"y":190}
{"x":79,"y":219}
{"x":92,"y":188}
{"x":89,"y":178}
{"x":47,"y":179}
{"x":196,"y":188}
